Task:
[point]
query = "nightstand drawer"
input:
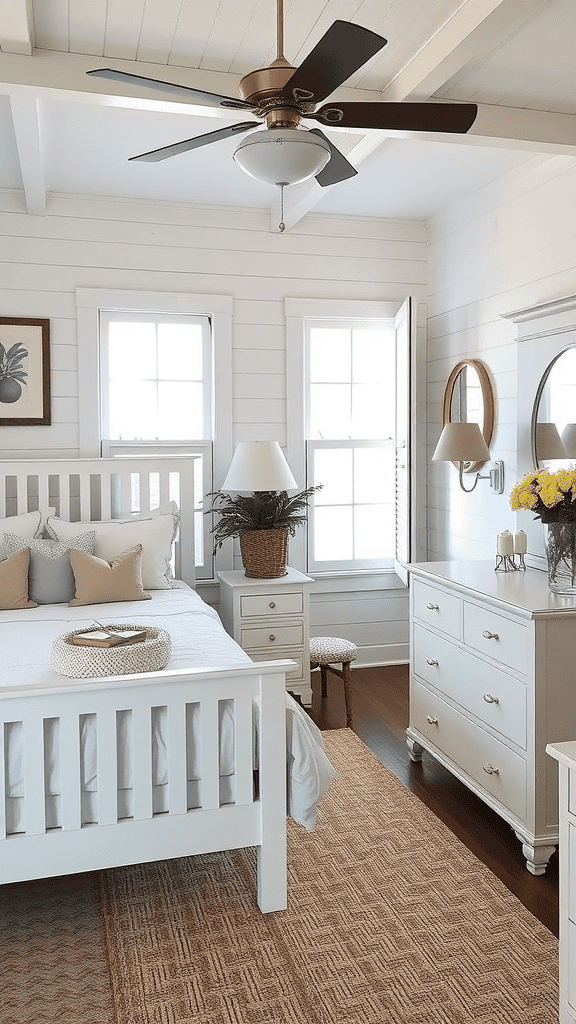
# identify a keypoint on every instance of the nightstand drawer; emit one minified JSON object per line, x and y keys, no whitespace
{"x":496,"y":768}
{"x":271,"y":604}
{"x":296,"y":674}
{"x":272,"y":636}
{"x":496,"y":636}
{"x":495,"y":698}
{"x":440,"y":610}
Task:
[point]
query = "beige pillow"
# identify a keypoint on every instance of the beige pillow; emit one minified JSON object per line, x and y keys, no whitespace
{"x":98,"y":581}
{"x":14,"y":581}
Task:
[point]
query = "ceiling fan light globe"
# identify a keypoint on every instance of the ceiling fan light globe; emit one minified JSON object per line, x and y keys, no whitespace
{"x":282,"y":155}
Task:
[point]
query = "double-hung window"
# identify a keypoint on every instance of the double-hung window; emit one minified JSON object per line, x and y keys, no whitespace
{"x":156,"y":395}
{"x":350,"y":411}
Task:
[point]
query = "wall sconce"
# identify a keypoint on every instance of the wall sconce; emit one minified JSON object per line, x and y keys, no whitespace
{"x":463,"y":442}
{"x":549,"y":444}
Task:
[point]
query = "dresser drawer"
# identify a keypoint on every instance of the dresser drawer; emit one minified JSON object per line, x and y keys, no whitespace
{"x":272,"y":636}
{"x":294,"y":675}
{"x":271,"y":604}
{"x":571,"y":967}
{"x":496,"y":636}
{"x":572,"y":791}
{"x":572,"y":872}
{"x":468,"y":746}
{"x":440,"y":610}
{"x":495,"y":698}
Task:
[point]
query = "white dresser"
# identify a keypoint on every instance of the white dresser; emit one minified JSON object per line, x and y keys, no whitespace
{"x":271,"y":619}
{"x":492,"y":681}
{"x":565,"y":754}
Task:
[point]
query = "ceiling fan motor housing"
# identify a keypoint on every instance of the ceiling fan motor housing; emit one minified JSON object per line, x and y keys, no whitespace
{"x":282,"y":156}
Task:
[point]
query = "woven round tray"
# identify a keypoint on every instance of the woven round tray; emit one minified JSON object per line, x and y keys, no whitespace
{"x":149,"y":655}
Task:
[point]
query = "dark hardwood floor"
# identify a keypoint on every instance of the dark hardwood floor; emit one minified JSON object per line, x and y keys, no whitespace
{"x":380,"y":717}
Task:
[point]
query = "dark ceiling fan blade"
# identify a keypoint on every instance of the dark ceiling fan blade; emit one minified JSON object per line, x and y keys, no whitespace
{"x":411,"y":117}
{"x":338,"y":167}
{"x":208,"y":99}
{"x":200,"y":140}
{"x":343,"y":49}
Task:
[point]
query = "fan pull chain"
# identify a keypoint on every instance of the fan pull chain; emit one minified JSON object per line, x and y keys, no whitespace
{"x":282,"y":186}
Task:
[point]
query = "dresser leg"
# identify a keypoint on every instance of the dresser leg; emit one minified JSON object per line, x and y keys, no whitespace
{"x":537,"y":857}
{"x":415,"y":749}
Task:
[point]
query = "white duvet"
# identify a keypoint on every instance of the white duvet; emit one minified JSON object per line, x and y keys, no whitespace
{"x":198,"y":641}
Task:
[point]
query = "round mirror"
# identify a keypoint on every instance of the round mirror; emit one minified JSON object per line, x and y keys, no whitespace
{"x":468,"y":398}
{"x":553,"y":428}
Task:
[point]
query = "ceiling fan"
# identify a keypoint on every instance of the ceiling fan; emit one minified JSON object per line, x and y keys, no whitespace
{"x":283,"y":96}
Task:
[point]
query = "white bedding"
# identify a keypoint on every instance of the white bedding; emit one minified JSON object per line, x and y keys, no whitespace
{"x":198,"y":641}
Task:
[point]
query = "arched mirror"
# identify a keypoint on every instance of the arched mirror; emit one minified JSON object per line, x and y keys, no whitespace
{"x":468,"y":398}
{"x":553,"y":428}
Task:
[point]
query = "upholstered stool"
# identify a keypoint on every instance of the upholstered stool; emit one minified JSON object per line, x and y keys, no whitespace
{"x":325,"y":652}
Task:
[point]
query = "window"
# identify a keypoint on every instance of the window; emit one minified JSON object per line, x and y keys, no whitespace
{"x":164,"y":367}
{"x":350,"y":423}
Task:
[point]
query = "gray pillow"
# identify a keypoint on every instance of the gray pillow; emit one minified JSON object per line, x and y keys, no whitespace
{"x":50,"y":576}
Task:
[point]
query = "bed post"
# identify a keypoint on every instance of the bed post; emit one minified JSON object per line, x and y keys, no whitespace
{"x":272,"y":863}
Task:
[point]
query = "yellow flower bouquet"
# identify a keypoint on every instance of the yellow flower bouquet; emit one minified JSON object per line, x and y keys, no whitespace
{"x":550,"y":496}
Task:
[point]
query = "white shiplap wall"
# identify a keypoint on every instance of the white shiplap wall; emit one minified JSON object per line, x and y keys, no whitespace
{"x":90,"y":243}
{"x":510,"y":245}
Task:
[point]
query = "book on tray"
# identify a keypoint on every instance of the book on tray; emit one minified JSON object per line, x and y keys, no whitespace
{"x":103,"y":638}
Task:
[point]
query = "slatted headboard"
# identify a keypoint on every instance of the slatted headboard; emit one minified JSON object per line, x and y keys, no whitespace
{"x":99,"y":489}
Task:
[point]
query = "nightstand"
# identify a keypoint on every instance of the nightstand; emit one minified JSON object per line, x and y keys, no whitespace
{"x":270,"y":618}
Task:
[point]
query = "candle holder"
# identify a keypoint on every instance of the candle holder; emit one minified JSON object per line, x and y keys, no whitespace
{"x":507,"y":563}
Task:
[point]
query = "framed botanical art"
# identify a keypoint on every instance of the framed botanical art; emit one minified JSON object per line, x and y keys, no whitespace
{"x":24,"y":372}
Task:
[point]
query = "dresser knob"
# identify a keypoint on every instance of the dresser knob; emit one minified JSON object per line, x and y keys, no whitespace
{"x":489,"y":636}
{"x":431,"y":720}
{"x":431,"y":661}
{"x":272,"y":636}
{"x":432,"y":607}
{"x":272,"y":604}
{"x":490,"y":699}
{"x":490,"y":769}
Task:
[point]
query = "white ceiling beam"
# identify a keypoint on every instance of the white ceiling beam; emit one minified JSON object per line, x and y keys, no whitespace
{"x":476,"y":29}
{"x":16,"y":26}
{"x":24,"y":109}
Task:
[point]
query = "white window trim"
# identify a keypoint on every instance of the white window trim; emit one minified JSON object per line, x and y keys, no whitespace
{"x":89,"y":302}
{"x":297,"y":311}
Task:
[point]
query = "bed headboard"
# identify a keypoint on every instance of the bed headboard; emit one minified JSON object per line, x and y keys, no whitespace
{"x":99,"y":489}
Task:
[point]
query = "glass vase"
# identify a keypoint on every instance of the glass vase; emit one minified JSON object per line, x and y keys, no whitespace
{"x":560,"y":540}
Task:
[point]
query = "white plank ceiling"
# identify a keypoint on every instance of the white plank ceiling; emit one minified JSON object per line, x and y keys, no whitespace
{"x":62,"y":132}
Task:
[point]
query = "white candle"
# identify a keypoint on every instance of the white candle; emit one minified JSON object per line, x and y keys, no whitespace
{"x":520,"y":543}
{"x":505,"y":544}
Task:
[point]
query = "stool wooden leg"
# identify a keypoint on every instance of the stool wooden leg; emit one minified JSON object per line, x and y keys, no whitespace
{"x":347,"y":677}
{"x":324,"y":679}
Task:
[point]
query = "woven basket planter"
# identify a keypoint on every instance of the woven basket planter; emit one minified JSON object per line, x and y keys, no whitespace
{"x":264,"y":553}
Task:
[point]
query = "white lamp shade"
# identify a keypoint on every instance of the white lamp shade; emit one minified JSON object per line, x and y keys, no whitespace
{"x":259,"y":466}
{"x":569,"y":440}
{"x":461,"y":442}
{"x":548,"y":442}
{"x":282,"y":156}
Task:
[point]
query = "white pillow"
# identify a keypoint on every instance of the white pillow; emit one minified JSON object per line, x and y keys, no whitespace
{"x":114,"y":536}
{"x":27,"y":525}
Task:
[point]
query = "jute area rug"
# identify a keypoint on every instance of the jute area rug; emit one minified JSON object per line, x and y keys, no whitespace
{"x":391,"y":920}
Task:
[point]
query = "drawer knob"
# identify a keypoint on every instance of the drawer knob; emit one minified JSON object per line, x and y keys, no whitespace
{"x":431,"y":720}
{"x":432,"y":607}
{"x":431,"y":661}
{"x":490,"y":699}
{"x":272,"y":636}
{"x":272,"y":604}
{"x":490,"y":769}
{"x":489,"y":636}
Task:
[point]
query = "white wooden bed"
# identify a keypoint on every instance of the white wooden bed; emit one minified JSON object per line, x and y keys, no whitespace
{"x":75,"y":488}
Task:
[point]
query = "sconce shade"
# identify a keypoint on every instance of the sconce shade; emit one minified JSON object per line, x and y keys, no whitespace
{"x":259,"y":466}
{"x":569,"y":440}
{"x":461,"y":442}
{"x":548,"y":442}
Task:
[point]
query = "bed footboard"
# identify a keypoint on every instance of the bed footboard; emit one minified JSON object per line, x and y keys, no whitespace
{"x":73,"y":846}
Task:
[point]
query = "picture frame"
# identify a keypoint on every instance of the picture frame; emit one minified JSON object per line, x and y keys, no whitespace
{"x":24,"y":372}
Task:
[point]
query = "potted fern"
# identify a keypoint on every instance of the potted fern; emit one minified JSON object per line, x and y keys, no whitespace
{"x":262,"y":520}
